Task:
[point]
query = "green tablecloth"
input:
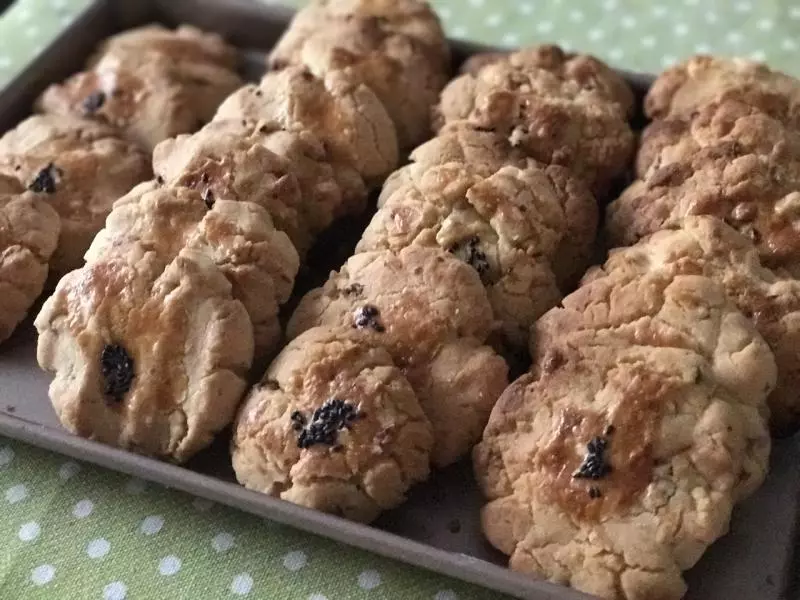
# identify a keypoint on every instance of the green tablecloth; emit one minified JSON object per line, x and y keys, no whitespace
{"x":70,"y":531}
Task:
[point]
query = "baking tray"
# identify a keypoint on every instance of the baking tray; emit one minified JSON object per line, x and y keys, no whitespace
{"x":437,"y":529}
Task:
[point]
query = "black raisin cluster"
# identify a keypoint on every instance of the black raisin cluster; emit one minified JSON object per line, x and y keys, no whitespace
{"x":325,"y":424}
{"x":45,"y":180}
{"x":469,"y":251}
{"x":368,"y":316}
{"x":117,"y":368}
{"x":594,"y":465}
{"x":93,"y":102}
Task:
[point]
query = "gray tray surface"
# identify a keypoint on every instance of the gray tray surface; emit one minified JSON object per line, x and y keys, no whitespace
{"x":438,"y":527}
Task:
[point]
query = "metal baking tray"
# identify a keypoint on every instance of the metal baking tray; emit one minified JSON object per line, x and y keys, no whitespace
{"x":438,"y":528}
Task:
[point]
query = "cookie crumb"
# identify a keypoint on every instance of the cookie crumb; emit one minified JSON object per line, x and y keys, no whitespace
{"x":368,"y":316}
{"x":11,"y":408}
{"x":117,"y":368}
{"x":594,"y":465}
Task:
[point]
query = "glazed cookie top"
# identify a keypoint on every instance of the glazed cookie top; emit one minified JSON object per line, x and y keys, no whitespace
{"x":555,"y":119}
{"x":80,"y":168}
{"x":226,"y":161}
{"x":665,"y":310}
{"x":346,"y":116}
{"x":147,"y":358}
{"x":707,"y":246}
{"x":700,"y":80}
{"x":612,"y":469}
{"x":333,"y":425}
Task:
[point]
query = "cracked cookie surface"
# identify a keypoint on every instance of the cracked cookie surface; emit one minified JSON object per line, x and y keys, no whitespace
{"x":333,"y":425}
{"x":707,"y":246}
{"x":523,"y":234}
{"x":431,"y":312}
{"x":346,"y":116}
{"x":146,"y":358}
{"x":78,"y":167}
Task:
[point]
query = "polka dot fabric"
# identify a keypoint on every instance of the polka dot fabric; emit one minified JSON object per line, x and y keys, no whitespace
{"x":72,"y":531}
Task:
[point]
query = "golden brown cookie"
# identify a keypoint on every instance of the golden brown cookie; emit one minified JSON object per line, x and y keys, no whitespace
{"x":522,"y":233}
{"x":484,"y":152}
{"x":238,"y":237}
{"x":333,"y":425}
{"x":758,"y":194}
{"x":706,"y":246}
{"x":683,"y":89}
{"x":344,"y":115}
{"x":78,"y":167}
{"x":552,"y":119}
{"x":29,"y":230}
{"x":147,"y":359}
{"x":405,"y":72}
{"x":149,"y":84}
{"x":430,"y":311}
{"x":613,"y":468}
{"x":666,"y":310}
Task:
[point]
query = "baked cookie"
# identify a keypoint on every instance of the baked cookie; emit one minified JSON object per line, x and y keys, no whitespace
{"x":758,"y":194}
{"x":613,"y":469}
{"x":344,"y":115}
{"x":554,"y":115}
{"x":146,"y":359}
{"x":665,"y":310}
{"x":522,"y":234}
{"x":333,"y":425}
{"x":405,"y":72}
{"x":587,"y":71}
{"x":148,"y":96}
{"x":238,"y":237}
{"x":683,"y":89}
{"x":484,"y":152}
{"x":746,"y":128}
{"x":185,"y":44}
{"x":28,"y":236}
{"x":430,"y":311}
{"x":80,"y":168}
{"x":707,"y":246}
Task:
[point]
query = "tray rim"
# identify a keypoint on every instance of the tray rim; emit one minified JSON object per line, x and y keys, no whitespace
{"x":364,"y":537}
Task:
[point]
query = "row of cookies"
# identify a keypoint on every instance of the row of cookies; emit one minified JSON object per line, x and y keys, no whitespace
{"x":725,"y":142}
{"x":237,"y":203}
{"x":472,"y":239}
{"x":648,"y":407}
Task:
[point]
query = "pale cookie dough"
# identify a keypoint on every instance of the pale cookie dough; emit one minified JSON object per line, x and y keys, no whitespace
{"x":147,"y":360}
{"x":613,"y":469}
{"x":147,"y":96}
{"x":405,"y":73}
{"x":552,"y":115}
{"x":523,"y":234}
{"x":238,"y":237}
{"x":484,"y":152}
{"x":28,"y":236}
{"x":758,"y":194}
{"x":664,"y":310}
{"x":706,"y":246}
{"x":431,"y":312}
{"x":335,"y":426}
{"x":346,"y":116}
{"x":683,"y":89}
{"x":78,"y":167}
